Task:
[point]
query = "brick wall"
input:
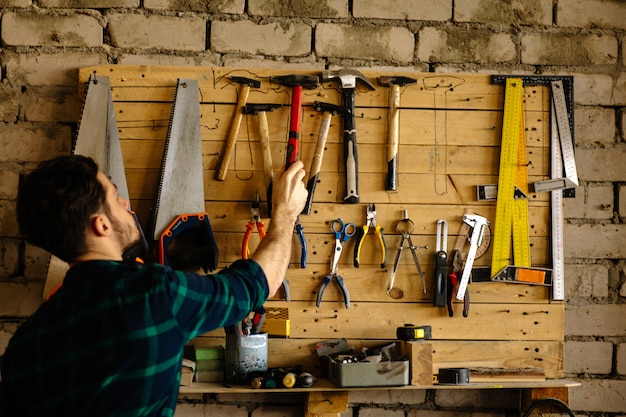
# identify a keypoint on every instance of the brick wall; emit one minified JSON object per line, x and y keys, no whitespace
{"x":44,"y":42}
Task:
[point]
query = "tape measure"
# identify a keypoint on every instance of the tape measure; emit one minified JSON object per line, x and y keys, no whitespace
{"x":512,"y":202}
{"x":411,"y":332}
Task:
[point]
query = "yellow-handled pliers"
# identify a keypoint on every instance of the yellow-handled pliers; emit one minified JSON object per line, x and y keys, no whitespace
{"x":255,"y":219}
{"x":370,"y":223}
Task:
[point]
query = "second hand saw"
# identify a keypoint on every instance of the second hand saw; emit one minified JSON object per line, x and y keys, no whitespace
{"x":180,"y":225}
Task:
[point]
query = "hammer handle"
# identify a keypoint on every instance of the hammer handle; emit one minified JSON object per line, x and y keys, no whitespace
{"x":267,"y":159}
{"x":350,"y":149}
{"x":392,"y":145}
{"x":233,"y":132}
{"x":293,"y":144}
{"x":316,"y":162}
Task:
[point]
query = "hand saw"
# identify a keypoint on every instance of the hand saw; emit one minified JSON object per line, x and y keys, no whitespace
{"x":179,"y":213}
{"x":98,"y":138}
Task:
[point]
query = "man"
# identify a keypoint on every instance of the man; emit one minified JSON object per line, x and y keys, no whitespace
{"x":110,"y":341}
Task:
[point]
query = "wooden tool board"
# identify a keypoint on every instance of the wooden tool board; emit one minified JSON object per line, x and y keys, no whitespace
{"x":450,"y":131}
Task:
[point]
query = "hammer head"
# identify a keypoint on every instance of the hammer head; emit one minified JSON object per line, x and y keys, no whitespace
{"x":395,"y":80}
{"x":247,"y":81}
{"x":306,"y":81}
{"x":348,"y":78}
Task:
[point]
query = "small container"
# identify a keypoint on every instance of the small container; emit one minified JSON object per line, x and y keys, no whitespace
{"x":244,"y":354}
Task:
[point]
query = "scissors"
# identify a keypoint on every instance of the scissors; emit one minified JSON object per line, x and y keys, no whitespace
{"x":343,"y":232}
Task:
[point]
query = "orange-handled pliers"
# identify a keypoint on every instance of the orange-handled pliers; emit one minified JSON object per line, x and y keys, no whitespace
{"x":255,"y":219}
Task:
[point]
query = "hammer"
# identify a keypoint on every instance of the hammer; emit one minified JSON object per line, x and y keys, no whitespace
{"x":328,"y":111}
{"x":268,"y":170}
{"x":297,"y":81}
{"x":394,"y":84}
{"x":246,"y":83}
{"x":348,"y":78}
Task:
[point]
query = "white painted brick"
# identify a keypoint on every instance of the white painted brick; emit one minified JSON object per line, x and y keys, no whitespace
{"x":593,"y":89}
{"x":36,"y":143}
{"x":380,"y":412}
{"x":588,"y":357}
{"x":238,"y":62}
{"x":15,"y":3}
{"x":303,"y":8}
{"x":10,"y":96}
{"x":50,"y":69}
{"x":19,"y":300}
{"x":620,"y":359}
{"x":388,"y":397}
{"x":605,"y":164}
{"x":506,"y":399}
{"x":89,"y":4}
{"x":594,"y":241}
{"x":130,"y":30}
{"x":269,"y":39}
{"x":31,"y":29}
{"x":51,"y":104}
{"x":592,"y":201}
{"x":383,"y":43}
{"x":622,"y":200}
{"x":209,"y":60}
{"x":594,"y":125}
{"x":599,"y":395}
{"x":452,"y":45}
{"x":591,"y":13}
{"x":595,"y":320}
{"x":213,"y":6}
{"x":436,"y":10}
{"x":568,"y":49}
{"x":587,"y":281}
{"x":9,"y":181}
{"x":519,"y":12}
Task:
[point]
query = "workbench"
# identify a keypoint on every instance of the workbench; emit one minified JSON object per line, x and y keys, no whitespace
{"x":450,"y":133}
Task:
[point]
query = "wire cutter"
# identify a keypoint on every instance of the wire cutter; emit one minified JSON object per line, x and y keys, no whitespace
{"x":405,"y":227}
{"x":255,"y":219}
{"x":343,"y":232}
{"x":370,"y":223}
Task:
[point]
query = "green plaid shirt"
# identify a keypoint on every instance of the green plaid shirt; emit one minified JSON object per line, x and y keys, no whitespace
{"x":110,"y":341}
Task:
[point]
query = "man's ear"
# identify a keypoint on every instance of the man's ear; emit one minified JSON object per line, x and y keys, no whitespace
{"x":100,"y":225}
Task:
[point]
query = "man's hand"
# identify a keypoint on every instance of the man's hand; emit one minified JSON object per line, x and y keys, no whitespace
{"x":288,"y":199}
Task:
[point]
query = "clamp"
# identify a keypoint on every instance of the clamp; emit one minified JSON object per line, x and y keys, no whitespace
{"x":370,"y":223}
{"x":343,"y":232}
{"x":405,"y":227}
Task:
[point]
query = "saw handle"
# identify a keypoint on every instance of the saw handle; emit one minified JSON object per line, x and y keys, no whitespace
{"x":350,"y":149}
{"x":293,"y":144}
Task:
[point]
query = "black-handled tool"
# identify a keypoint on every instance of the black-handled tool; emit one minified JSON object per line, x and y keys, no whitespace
{"x":441,"y":264}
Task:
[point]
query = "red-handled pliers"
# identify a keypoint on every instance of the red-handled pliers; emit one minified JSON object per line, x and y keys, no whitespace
{"x":255,"y":219}
{"x":454,"y":278}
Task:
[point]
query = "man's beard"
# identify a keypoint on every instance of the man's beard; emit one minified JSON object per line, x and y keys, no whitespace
{"x":129,"y":236}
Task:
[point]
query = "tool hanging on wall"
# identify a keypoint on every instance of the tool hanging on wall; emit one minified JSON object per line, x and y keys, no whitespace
{"x":362,"y":232}
{"x":233,"y":132}
{"x":479,"y":225}
{"x":456,"y":266}
{"x":296,"y":82}
{"x":394,"y":83}
{"x":348,"y":79}
{"x":441,"y":263}
{"x":328,"y":111}
{"x":268,"y":169}
{"x":512,"y":194}
{"x":405,"y":227}
{"x":343,"y":232}
{"x":179,"y":210}
{"x":562,"y":89}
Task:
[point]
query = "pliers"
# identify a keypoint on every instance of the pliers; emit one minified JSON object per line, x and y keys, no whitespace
{"x":298,"y":229}
{"x":345,"y":232}
{"x":405,"y":227}
{"x":255,"y":219}
{"x":370,"y":223}
{"x":454,"y":278}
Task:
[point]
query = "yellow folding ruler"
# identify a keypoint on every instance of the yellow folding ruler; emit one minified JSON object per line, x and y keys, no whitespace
{"x":512,"y":196}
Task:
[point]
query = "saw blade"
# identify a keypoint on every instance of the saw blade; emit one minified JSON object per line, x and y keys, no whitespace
{"x":181,"y":186}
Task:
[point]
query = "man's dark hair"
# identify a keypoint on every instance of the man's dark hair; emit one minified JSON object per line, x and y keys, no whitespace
{"x":55,"y":203}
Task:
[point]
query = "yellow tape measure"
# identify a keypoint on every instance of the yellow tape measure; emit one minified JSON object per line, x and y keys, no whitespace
{"x":512,"y":197}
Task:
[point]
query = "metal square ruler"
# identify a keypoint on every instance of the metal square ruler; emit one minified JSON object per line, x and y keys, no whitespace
{"x":562,"y":159}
